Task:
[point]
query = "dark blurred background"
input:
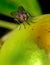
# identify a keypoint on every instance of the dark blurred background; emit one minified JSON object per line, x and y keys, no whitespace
{"x":45,"y":6}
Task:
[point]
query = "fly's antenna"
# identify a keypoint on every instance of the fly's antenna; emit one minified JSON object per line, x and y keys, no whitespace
{"x":13,"y":14}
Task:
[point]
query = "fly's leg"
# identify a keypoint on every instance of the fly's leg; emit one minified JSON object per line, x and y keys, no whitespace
{"x":30,"y":17}
{"x":20,"y":27}
{"x":32,"y":21}
{"x":24,"y":26}
{"x":27,"y":22}
{"x":17,"y":21}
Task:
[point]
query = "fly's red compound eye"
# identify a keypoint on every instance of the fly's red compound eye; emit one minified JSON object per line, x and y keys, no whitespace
{"x":24,"y":15}
{"x":21,"y":18}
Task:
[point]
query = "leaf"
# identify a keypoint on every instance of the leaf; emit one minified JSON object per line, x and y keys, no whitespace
{"x":31,"y":6}
{"x":7,"y":6}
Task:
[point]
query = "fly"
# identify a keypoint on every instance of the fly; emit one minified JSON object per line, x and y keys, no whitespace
{"x":20,"y":15}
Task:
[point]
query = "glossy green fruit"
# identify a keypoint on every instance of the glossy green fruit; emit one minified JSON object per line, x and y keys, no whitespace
{"x":21,"y":49}
{"x":42,"y":32}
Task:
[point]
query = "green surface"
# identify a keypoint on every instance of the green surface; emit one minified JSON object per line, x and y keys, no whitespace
{"x":21,"y":49}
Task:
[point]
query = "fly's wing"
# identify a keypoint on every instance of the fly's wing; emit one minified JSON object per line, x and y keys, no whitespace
{"x":19,"y":12}
{"x":21,"y":8}
{"x":14,"y":14}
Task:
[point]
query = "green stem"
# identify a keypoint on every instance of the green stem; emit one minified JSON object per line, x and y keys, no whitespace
{"x":7,"y":25}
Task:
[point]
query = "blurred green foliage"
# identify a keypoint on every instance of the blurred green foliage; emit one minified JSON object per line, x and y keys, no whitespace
{"x":8,"y":6}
